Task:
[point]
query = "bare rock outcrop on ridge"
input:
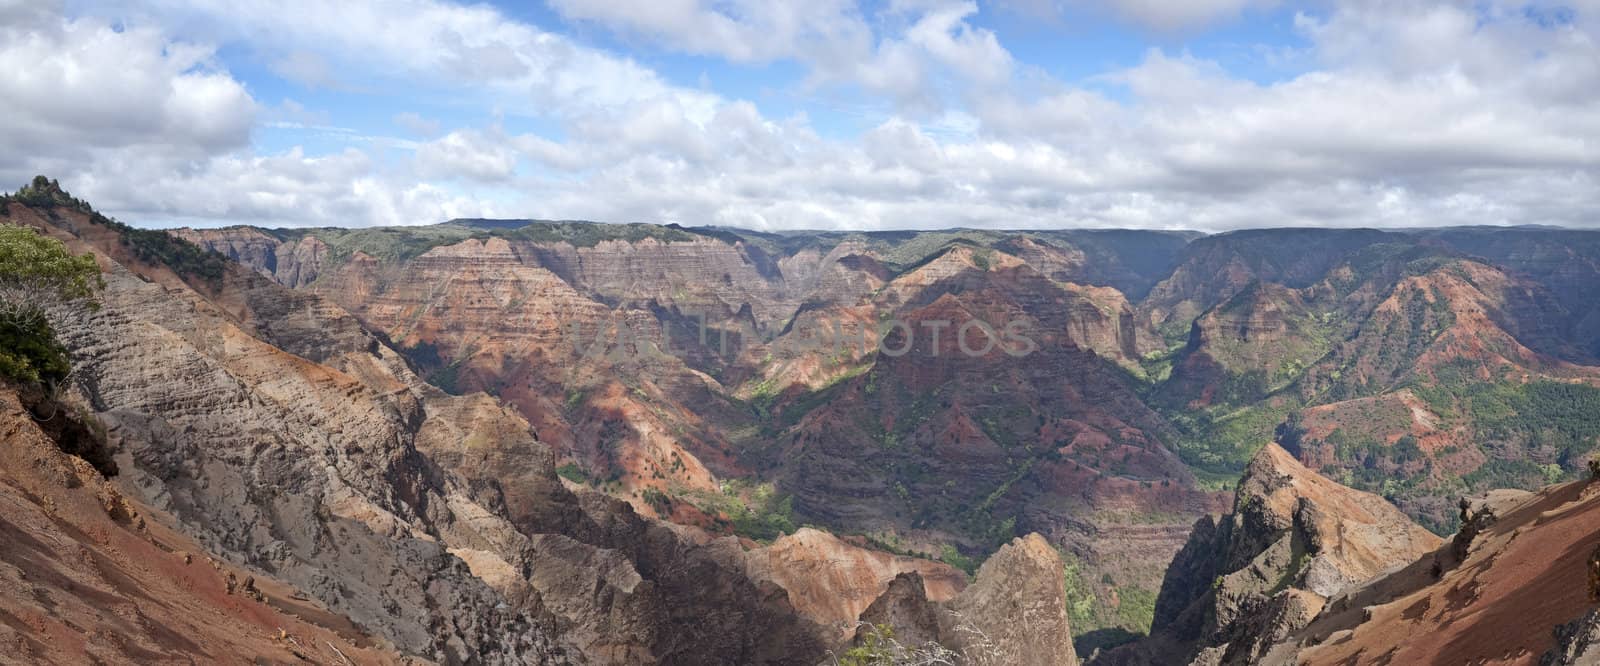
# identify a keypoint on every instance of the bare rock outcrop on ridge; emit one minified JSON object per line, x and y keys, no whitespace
{"x":1255,"y":576}
{"x":1014,"y":613}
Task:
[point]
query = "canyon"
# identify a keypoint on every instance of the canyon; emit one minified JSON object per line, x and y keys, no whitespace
{"x":493,"y":441}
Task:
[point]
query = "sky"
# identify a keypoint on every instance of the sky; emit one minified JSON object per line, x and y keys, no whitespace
{"x":814,"y":114}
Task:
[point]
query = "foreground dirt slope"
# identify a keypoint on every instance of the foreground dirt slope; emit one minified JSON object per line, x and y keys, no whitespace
{"x":91,"y":575}
{"x":1521,"y":569}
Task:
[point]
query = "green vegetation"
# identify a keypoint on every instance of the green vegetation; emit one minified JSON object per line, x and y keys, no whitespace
{"x":428,"y":360}
{"x":155,"y":246}
{"x":35,"y":266}
{"x":46,"y":193}
{"x":384,"y":243}
{"x":572,"y":472}
{"x":876,"y":648}
{"x":1102,"y":613}
{"x":1532,"y":434}
{"x":1541,"y":415}
{"x":657,"y":500}
{"x":149,"y":245}
{"x":766,"y":393}
{"x":447,"y":378}
{"x":950,"y":555}
{"x":29,"y":352}
{"x":906,"y":251}
{"x":37,"y":273}
{"x":1220,"y":446}
{"x":768,"y":519}
{"x":1080,"y":594}
{"x":1258,"y":366}
{"x":590,"y":234}
{"x":754,"y":510}
{"x":397,"y":244}
{"x":1507,"y":474}
{"x":879,"y":647}
{"x":1136,"y":608}
{"x":1389,"y":470}
{"x":1156,"y":366}
{"x":400,"y":244}
{"x":983,"y":258}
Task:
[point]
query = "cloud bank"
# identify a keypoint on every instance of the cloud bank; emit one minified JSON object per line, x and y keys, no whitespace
{"x":1401,"y":114}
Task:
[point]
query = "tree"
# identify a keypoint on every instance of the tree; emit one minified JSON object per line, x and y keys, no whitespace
{"x":38,"y":275}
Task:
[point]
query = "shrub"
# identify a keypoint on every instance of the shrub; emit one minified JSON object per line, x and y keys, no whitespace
{"x":953,"y":557}
{"x":572,"y":472}
{"x":36,"y":270}
{"x":878,"y":646}
{"x":37,"y":274}
{"x":767,"y":518}
{"x":29,"y":352}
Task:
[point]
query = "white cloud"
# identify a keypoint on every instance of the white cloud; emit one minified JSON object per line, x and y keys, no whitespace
{"x":1412,"y":113}
{"x":1183,"y":15}
{"x":473,"y":52}
{"x":71,"y":87}
{"x":905,"y":53}
{"x":1425,"y":130}
{"x":467,"y":154}
{"x":289,"y":189}
{"x":156,"y":131}
{"x":739,"y":30}
{"x":974,"y":53}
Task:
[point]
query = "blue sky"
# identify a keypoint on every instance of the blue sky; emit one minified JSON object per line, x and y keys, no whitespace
{"x":1210,"y":114}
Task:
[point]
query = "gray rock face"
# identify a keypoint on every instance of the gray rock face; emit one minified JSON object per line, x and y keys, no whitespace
{"x":1266,"y":623}
{"x":905,"y":608}
{"x":1577,"y":643}
{"x":1014,"y":613}
{"x":299,"y":469}
{"x":295,"y":263}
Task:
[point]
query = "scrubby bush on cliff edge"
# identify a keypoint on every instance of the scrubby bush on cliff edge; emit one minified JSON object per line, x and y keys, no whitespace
{"x":36,"y":274}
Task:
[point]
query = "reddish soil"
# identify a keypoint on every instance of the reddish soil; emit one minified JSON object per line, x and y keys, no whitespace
{"x":91,"y":576}
{"x":1523,"y":576}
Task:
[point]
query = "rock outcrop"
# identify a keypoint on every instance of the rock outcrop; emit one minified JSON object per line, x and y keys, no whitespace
{"x":1512,"y":587}
{"x":1014,"y":613}
{"x":832,"y":581}
{"x":1577,"y":643}
{"x":1294,"y":541}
